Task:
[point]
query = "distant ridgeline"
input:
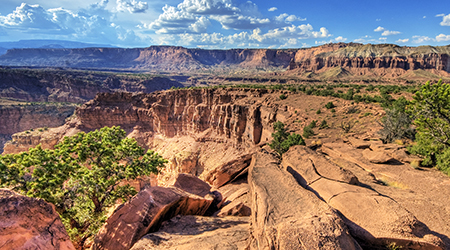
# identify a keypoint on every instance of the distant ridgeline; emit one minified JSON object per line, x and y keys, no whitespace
{"x":169,"y":58}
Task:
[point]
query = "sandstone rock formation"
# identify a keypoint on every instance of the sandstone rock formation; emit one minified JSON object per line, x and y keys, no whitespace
{"x":29,"y":223}
{"x":371,"y":217}
{"x":144,"y":214}
{"x":168,"y":58}
{"x":287,"y":216}
{"x":197,"y":232}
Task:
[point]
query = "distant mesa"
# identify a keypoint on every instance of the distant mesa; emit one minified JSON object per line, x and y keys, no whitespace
{"x":346,"y":59}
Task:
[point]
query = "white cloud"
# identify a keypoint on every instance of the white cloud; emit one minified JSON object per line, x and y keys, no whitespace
{"x":421,"y":39}
{"x":241,"y":22}
{"x":208,"y":7}
{"x":132,"y":6}
{"x":273,"y":9}
{"x":389,"y":33}
{"x":379,"y":29}
{"x":61,"y":23}
{"x":280,"y":37}
{"x":442,"y":38}
{"x":424,"y":17}
{"x":288,"y":18}
{"x":445,"y":20}
{"x":340,"y":39}
{"x":402,"y":40}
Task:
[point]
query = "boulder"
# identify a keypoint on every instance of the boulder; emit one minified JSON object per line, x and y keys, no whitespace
{"x":197,"y":232}
{"x":287,"y":216}
{"x":377,"y":157}
{"x":228,"y":171}
{"x":235,"y":208}
{"x":29,"y":223}
{"x":372,"y":218}
{"x":144,"y":214}
{"x":358,"y":143}
{"x":190,"y":183}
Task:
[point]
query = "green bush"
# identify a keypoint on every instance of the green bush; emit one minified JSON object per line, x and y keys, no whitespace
{"x":283,"y":96}
{"x":318,"y":112}
{"x":81,"y":176}
{"x":283,"y":140}
{"x":323,"y":125}
{"x":397,"y":122}
{"x":330,"y":105}
{"x":308,"y":130}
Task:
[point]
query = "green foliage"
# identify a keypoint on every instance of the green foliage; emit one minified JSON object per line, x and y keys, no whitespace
{"x":82,"y":176}
{"x":318,"y":111}
{"x":330,"y":105}
{"x":431,"y":107}
{"x":397,"y":122}
{"x":283,"y":140}
{"x":308,"y":130}
{"x":283,"y":96}
{"x":323,"y":125}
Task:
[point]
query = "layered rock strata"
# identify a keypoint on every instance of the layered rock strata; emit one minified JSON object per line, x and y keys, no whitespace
{"x":346,"y":55}
{"x":29,"y":223}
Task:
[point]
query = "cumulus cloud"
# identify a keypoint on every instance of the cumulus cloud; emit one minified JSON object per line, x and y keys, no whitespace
{"x":65,"y":24}
{"x":403,"y":40}
{"x":421,"y":39}
{"x":175,"y":21}
{"x":390,"y":32}
{"x":198,"y":13}
{"x":272,"y":9}
{"x":386,"y":32}
{"x":288,"y":18}
{"x":445,"y":20}
{"x":442,"y":38}
{"x":208,"y":7}
{"x":132,"y":6}
{"x":280,"y":37}
{"x":378,"y":29}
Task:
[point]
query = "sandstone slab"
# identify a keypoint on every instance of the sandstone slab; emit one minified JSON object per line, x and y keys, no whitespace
{"x":144,"y":213}
{"x":371,"y":217}
{"x":287,"y":216}
{"x":197,"y":232}
{"x":29,"y":223}
{"x":377,"y":157}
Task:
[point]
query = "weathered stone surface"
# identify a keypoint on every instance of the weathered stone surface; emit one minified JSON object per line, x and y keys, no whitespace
{"x":358,"y":143}
{"x":29,"y":223}
{"x":144,"y":213}
{"x":191,"y":184}
{"x":196,"y":232}
{"x":235,"y":208}
{"x":371,"y":217}
{"x":228,"y":171}
{"x":377,"y":157}
{"x":287,"y":216}
{"x":316,"y":167}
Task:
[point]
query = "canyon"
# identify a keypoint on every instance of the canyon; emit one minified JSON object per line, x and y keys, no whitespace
{"x":211,"y":114}
{"x":391,"y":58}
{"x":343,"y":190}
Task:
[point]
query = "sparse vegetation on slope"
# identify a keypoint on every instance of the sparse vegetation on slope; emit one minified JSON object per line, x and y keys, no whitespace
{"x":283,"y":140}
{"x":83,"y":176}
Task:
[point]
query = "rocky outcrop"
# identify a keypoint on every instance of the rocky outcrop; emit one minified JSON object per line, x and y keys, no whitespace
{"x":29,"y":223}
{"x":346,"y":55}
{"x":144,"y":213}
{"x":371,"y":217}
{"x":287,"y":216}
{"x":198,"y":232}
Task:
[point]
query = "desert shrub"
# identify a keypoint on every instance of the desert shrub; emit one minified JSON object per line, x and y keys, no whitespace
{"x":308,"y":130}
{"x":81,"y":176}
{"x":282,"y":140}
{"x":397,"y":122}
{"x":346,"y":126}
{"x":431,"y":107}
{"x":333,"y":111}
{"x":323,"y":124}
{"x":352,"y":110}
{"x":318,"y":112}
{"x":283,"y":96}
{"x":330,"y":105}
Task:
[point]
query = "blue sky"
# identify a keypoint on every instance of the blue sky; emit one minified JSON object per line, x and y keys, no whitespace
{"x":223,"y":24}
